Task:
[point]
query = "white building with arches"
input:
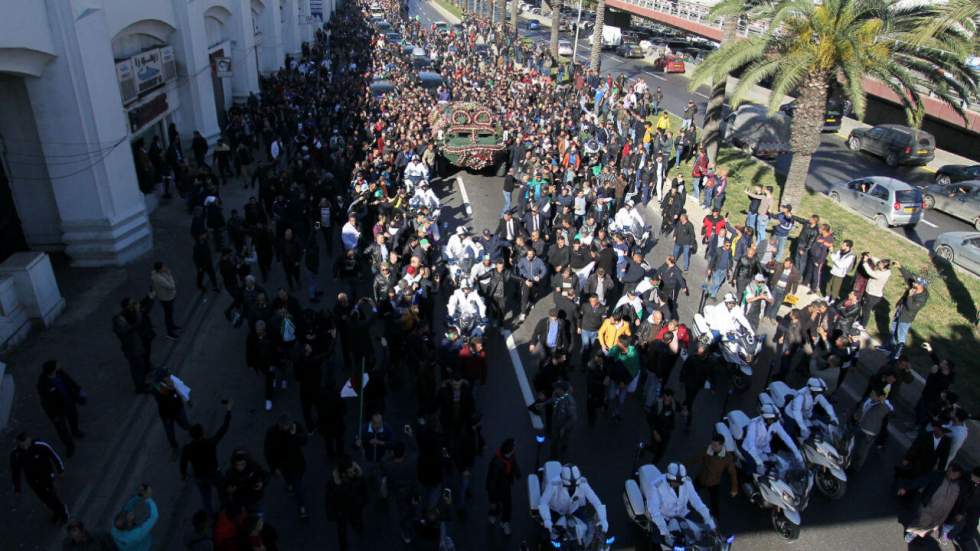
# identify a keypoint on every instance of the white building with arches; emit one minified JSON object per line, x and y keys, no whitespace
{"x":80,"y":80}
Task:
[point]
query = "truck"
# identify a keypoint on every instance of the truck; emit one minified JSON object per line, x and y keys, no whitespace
{"x":611,"y":37}
{"x":469,"y":136}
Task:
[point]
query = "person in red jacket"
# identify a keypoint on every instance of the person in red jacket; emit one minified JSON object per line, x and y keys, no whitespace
{"x":711,"y":224}
{"x":473,"y":363}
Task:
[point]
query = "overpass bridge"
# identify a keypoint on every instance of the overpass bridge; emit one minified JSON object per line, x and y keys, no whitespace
{"x":692,"y":16}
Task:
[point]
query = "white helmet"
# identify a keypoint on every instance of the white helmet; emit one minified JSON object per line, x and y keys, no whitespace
{"x":730,"y":298}
{"x":816,"y":385}
{"x":464,"y":283}
{"x":570,"y":476}
{"x":676,"y":472}
{"x":769,"y":411}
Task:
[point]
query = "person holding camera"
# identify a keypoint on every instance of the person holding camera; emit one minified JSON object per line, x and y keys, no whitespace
{"x":877,"y":273}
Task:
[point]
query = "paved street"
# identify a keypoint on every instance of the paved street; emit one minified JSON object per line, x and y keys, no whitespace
{"x":833,"y":162}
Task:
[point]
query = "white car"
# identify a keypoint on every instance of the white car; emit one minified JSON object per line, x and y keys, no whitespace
{"x":565,"y":48}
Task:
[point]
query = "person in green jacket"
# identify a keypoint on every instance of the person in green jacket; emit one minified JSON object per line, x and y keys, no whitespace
{"x":126,"y":532}
{"x":624,"y":375}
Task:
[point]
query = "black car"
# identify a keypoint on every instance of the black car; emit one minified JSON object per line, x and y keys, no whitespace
{"x":950,"y":174}
{"x":836,"y":110}
{"x":896,"y":143}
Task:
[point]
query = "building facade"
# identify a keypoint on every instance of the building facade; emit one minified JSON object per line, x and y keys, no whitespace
{"x":81,"y":80}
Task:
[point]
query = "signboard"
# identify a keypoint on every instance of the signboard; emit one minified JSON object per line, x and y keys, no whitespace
{"x":222,"y":67}
{"x":140,"y":116}
{"x":127,"y":82}
{"x":149,"y":70}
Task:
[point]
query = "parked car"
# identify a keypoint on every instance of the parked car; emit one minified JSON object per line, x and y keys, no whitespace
{"x":533,"y":24}
{"x":565,"y":48}
{"x":669,"y":64}
{"x":959,"y":247}
{"x":960,"y":200}
{"x":950,"y":174}
{"x":564,"y":26}
{"x":895,"y":143}
{"x":887,"y":201}
{"x":836,"y":110}
{"x":629,"y":51}
{"x":752,"y":129}
{"x":441,"y":27}
{"x":430,"y":80}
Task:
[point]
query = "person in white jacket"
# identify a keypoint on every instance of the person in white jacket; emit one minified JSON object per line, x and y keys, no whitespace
{"x":673,"y":496}
{"x":466,"y":302}
{"x":758,"y":438}
{"x":726,"y":317}
{"x":416,"y":171}
{"x":565,"y":496}
{"x":629,"y":219}
{"x":424,"y":197}
{"x":805,"y":402}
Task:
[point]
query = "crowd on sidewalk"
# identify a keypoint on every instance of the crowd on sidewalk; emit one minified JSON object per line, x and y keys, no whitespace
{"x":329,"y":159}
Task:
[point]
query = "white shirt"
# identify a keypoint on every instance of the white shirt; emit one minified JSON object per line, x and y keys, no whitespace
{"x":664,"y":503}
{"x":841,"y":263}
{"x":416,"y":169}
{"x":725,"y":321}
{"x":801,"y":409}
{"x":629,"y":219}
{"x":349,"y":236}
{"x":758,"y":437}
{"x":555,"y":498}
{"x":466,"y":304}
{"x":425,"y":197}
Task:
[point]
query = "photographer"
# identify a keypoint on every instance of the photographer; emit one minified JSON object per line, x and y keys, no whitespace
{"x":877,"y":273}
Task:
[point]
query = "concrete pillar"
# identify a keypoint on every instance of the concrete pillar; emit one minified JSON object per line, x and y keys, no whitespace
{"x":272,"y":53}
{"x":244,"y":63}
{"x":305,"y":27}
{"x":197,"y":106}
{"x":27,"y":172}
{"x":102,"y":211}
{"x":291,"y":39}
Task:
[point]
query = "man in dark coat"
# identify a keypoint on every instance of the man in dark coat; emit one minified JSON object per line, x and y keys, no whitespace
{"x":284,"y":443}
{"x":204,"y":263}
{"x":929,"y":452}
{"x":501,"y":474}
{"x":60,"y":397}
{"x":552,"y":334}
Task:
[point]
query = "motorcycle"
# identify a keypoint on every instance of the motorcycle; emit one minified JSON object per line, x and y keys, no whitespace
{"x":738,"y":349}
{"x":783,"y":488}
{"x":827,"y":451}
{"x":562,"y":537}
{"x":467,"y":325}
{"x":636,"y":237}
{"x":684,"y":533}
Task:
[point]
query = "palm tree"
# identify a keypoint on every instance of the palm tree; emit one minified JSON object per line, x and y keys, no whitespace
{"x":711,"y":138}
{"x":955,"y":14}
{"x":807,"y":46}
{"x":515,"y":11}
{"x":555,"y":22}
{"x":595,"y":58}
{"x":500,"y":13}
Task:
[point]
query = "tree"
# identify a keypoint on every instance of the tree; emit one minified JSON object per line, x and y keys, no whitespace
{"x":555,"y":23}
{"x":809,"y":45}
{"x":595,"y":59}
{"x":515,"y":11}
{"x":500,"y":13}
{"x":711,"y":138}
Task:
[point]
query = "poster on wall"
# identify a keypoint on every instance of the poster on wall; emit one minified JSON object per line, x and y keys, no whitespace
{"x":222,"y":67}
{"x":127,"y":81}
{"x":148,"y":69}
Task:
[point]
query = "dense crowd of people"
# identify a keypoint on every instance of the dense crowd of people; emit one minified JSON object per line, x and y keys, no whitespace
{"x":587,"y":156}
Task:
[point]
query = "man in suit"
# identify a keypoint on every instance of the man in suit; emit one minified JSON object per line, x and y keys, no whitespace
{"x":534,"y":221}
{"x":928,"y":452}
{"x":509,"y":228}
{"x":551,"y":334}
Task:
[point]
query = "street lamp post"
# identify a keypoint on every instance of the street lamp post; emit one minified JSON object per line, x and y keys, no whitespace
{"x":578,"y":25}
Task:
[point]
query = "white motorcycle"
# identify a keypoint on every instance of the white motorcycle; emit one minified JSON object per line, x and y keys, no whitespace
{"x":738,"y":349}
{"x":684,"y":533}
{"x":562,"y":538}
{"x":828,"y":451}
{"x":784,"y":488}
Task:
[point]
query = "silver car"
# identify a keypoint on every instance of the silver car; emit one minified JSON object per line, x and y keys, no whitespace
{"x":887,"y":201}
{"x":960,"y":200}
{"x":959,"y":247}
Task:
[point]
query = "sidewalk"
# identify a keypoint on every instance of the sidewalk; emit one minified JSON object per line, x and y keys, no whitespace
{"x":112,"y":459}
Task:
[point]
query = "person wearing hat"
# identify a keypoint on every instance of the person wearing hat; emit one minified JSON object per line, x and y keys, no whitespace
{"x":673,"y":496}
{"x":757,"y":443}
{"x":913,"y":300}
{"x":501,"y":474}
{"x":756,"y":299}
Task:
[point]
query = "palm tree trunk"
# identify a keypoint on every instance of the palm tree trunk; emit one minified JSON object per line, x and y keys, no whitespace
{"x":500,"y":14}
{"x":805,"y":134}
{"x":595,"y":59}
{"x":711,"y":137}
{"x":555,"y":20}
{"x":515,"y":11}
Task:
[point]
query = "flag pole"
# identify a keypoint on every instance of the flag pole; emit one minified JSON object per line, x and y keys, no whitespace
{"x":360,"y":406}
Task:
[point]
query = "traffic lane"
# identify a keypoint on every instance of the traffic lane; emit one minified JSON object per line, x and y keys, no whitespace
{"x":606,"y":452}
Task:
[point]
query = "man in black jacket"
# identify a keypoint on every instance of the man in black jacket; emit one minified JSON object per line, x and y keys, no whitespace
{"x":60,"y":396}
{"x":501,"y":474}
{"x":284,"y":443}
{"x":552,"y":334}
{"x":202,"y":454}
{"x":204,"y":263}
{"x":39,"y":463}
{"x":673,"y":283}
{"x":685,"y":240}
{"x":806,"y":239}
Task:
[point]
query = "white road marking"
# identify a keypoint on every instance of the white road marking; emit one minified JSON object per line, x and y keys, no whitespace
{"x":654,"y":75}
{"x":928,"y":223}
{"x":466,"y":198}
{"x":515,"y":361}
